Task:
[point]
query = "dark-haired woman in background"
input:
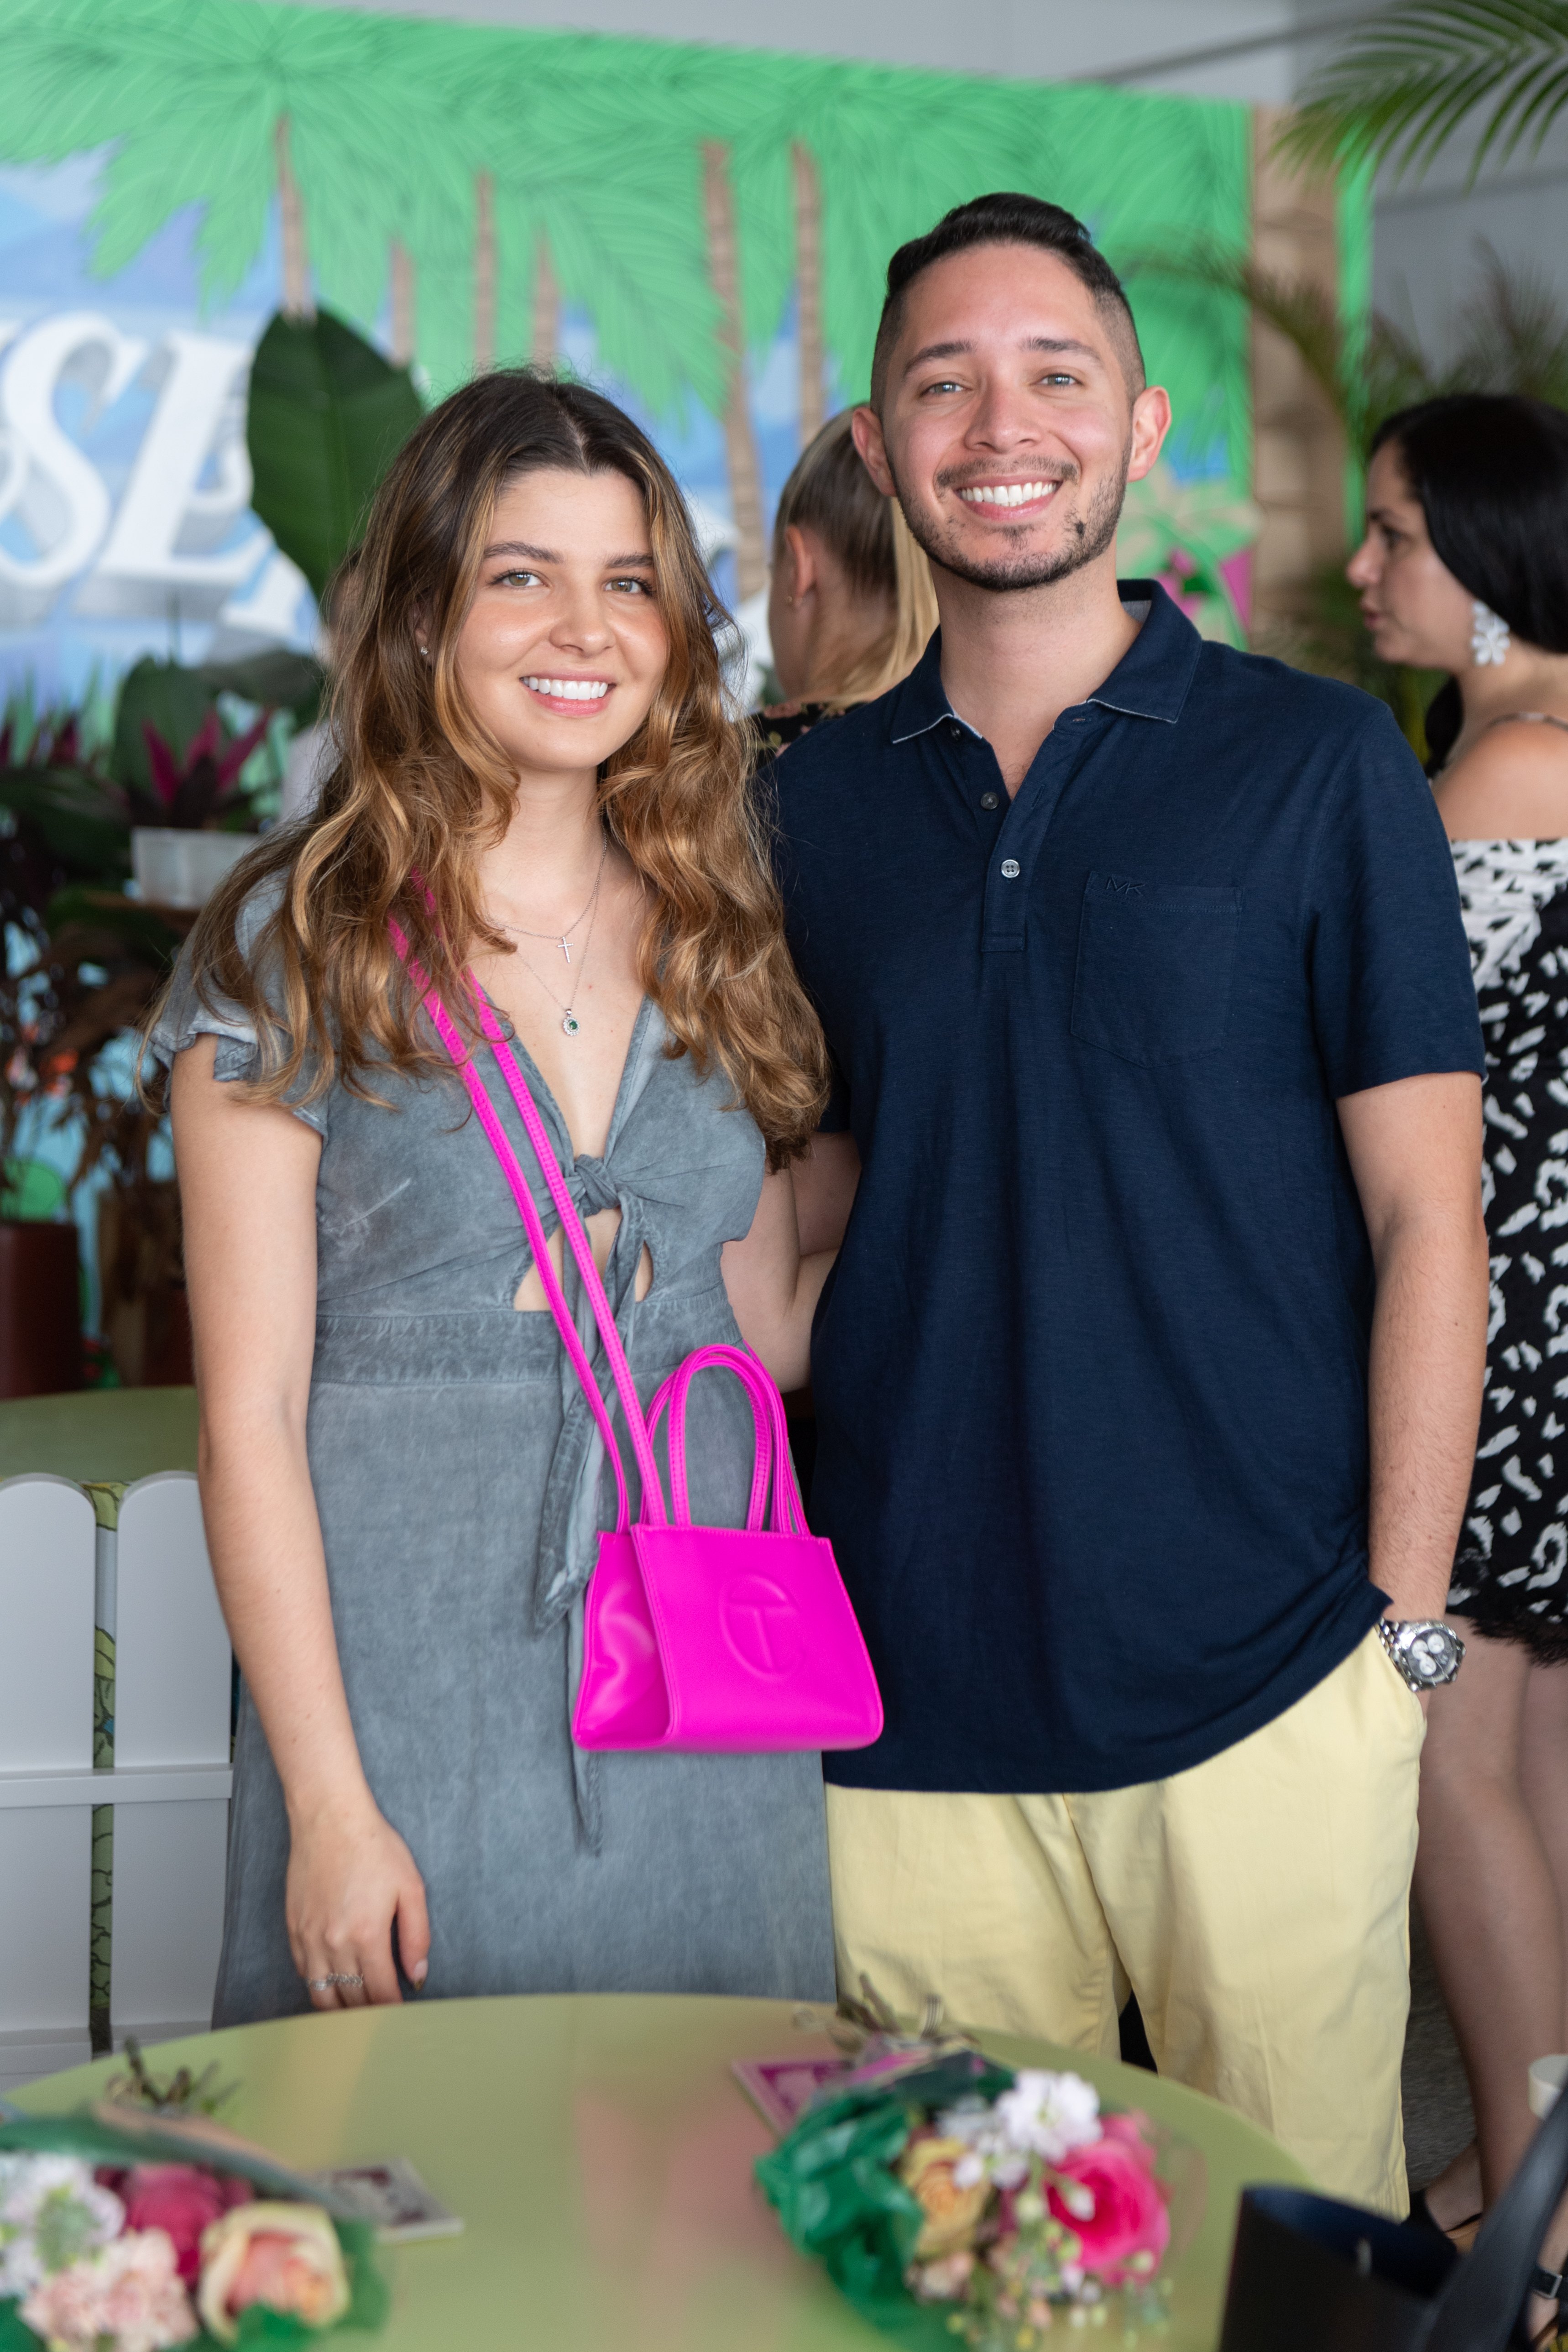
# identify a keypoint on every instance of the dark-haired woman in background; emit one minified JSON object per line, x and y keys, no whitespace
{"x":852,"y":607}
{"x":1465,"y":568}
{"x":537,"y":774}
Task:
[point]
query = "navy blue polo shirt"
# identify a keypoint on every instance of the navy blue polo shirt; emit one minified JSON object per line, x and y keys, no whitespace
{"x":1091,"y":1370}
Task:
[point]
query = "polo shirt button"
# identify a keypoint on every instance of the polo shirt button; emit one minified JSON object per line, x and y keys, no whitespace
{"x":955,"y":730}
{"x":1010,"y":869}
{"x":990,"y":801}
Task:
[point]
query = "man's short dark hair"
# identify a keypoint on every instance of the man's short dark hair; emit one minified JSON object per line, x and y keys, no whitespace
{"x":1007,"y":219}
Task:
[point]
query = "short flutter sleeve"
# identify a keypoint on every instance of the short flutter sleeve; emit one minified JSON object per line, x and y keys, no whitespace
{"x":190,"y":1012}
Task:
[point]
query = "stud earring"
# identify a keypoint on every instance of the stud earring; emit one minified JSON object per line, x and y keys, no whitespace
{"x":1489,"y":637}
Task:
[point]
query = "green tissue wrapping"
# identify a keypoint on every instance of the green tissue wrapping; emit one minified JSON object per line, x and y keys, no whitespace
{"x":370,"y":2290}
{"x":13,"y":2335}
{"x":833,"y":2182}
{"x":259,"y":2324}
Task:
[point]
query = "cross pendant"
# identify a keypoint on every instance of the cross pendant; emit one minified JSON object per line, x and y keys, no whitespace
{"x":566,"y":950}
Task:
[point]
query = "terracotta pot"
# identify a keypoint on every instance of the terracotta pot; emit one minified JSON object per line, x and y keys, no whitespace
{"x":40,"y":1310}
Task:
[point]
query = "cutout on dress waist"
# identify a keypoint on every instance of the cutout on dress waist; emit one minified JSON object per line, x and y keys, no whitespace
{"x":603,"y":1227}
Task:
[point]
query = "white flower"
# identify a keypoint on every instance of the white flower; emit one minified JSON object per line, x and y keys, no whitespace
{"x":990,"y":2154}
{"x":1049,"y":2114}
{"x":128,"y":2295}
{"x":52,"y":2211}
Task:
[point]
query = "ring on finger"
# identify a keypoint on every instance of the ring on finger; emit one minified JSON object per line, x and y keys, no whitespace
{"x":330,"y":1984}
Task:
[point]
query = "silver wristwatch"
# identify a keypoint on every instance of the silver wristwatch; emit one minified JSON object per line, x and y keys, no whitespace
{"x":1426,"y":1651}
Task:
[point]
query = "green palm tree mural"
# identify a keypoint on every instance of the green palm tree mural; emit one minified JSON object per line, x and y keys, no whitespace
{"x":483,"y":178}
{"x":591,"y":172}
{"x":891,"y":151}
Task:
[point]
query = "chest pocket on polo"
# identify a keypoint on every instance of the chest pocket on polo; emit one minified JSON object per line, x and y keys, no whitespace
{"x":1154,"y":966}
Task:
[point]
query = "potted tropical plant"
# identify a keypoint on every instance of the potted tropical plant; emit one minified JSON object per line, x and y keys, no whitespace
{"x":179,"y":770}
{"x":84,"y":961}
{"x":55,"y":828}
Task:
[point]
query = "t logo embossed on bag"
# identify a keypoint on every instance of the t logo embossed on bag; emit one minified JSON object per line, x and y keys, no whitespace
{"x":761,"y":1625}
{"x":706,"y":1640}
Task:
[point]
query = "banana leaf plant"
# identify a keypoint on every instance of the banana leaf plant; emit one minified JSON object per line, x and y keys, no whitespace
{"x":326,"y":415}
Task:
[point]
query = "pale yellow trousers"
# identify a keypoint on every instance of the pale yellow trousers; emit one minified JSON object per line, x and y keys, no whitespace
{"x":1258,"y":1905}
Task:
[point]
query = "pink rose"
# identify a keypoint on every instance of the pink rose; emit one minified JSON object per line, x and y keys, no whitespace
{"x":1126,"y":2230}
{"x":285,"y":2256}
{"x":181,"y":2200}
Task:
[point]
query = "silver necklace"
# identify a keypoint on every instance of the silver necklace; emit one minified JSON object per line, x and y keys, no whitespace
{"x":569,"y":1021}
{"x":561,"y":938}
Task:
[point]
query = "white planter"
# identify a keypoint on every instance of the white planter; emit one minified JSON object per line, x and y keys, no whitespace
{"x":175,"y":868}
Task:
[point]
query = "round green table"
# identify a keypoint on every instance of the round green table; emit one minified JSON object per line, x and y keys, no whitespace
{"x":599,"y":2153}
{"x":99,"y":1435}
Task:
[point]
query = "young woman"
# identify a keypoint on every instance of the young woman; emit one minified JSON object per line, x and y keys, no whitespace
{"x":400,"y":1477}
{"x":1465,"y":569}
{"x":850,"y":605}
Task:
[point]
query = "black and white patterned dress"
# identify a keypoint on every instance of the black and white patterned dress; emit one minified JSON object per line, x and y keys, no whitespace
{"x":1511,"y":1575}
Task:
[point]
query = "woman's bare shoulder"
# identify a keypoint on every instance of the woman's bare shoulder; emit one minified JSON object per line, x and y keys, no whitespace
{"x":1511,"y":785}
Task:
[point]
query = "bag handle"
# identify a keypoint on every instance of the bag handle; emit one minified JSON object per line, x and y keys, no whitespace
{"x":772,"y":1438}
{"x":571,"y":1224}
{"x":1485,"y":2292}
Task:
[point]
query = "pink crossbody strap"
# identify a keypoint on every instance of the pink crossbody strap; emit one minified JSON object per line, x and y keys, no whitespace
{"x":772,"y":1462}
{"x":521,"y":1193}
{"x":772,"y":1454}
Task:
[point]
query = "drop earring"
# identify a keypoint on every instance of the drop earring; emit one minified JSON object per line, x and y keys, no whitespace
{"x":1489,"y":638}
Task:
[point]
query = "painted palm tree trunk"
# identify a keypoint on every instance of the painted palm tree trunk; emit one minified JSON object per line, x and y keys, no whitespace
{"x":296,"y":298}
{"x":808,"y":292}
{"x":404,"y":330}
{"x":546,"y":335}
{"x":484,"y":272}
{"x":740,"y":441}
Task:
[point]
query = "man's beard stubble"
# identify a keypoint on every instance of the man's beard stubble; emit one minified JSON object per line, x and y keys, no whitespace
{"x":1092,"y":534}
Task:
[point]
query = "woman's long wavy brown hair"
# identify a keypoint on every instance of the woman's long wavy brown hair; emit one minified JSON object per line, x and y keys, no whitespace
{"x":420,"y":788}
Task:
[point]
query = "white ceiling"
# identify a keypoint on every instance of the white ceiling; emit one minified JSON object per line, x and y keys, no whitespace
{"x":1238,"y":49}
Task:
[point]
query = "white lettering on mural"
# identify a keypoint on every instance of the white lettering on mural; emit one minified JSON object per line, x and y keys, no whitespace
{"x":48,"y":484}
{"x":181,"y":541}
{"x":189,"y":488}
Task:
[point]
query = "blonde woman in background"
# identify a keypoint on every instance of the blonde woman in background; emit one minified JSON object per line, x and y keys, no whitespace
{"x":852,"y":607}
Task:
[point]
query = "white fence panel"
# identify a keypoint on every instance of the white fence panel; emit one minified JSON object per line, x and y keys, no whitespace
{"x":46,"y":1554}
{"x":171,"y":1687}
{"x":148,"y":1584}
{"x":171,"y":1645}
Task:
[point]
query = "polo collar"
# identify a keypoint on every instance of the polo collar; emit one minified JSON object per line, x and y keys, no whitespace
{"x":1150,"y":681}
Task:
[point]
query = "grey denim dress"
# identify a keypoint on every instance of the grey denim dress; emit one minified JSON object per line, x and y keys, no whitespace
{"x":457,"y":1476}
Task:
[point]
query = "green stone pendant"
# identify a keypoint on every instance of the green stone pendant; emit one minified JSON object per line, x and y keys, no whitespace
{"x":570,"y":1025}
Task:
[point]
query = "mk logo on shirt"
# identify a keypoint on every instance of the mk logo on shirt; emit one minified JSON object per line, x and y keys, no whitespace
{"x":1122,"y":886}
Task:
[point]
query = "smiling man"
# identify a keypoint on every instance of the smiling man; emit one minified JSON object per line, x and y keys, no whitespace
{"x":1148,"y":1377}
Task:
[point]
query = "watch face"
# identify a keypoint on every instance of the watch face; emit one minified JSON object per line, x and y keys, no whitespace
{"x":1432,"y":1652}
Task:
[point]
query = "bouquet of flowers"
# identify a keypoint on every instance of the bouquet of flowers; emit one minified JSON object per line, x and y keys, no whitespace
{"x":954,"y":2201}
{"x":121,"y":2233}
